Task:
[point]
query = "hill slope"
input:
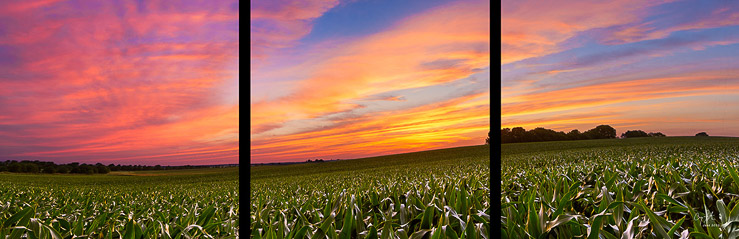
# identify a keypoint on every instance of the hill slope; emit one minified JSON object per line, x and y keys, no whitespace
{"x":414,"y":159}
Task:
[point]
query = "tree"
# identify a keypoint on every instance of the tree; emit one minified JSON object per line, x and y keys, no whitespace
{"x":601,"y":132}
{"x":518,"y":134}
{"x":63,"y":169}
{"x":574,"y":135}
{"x":701,"y":134}
{"x":15,"y":167}
{"x":102,"y":169}
{"x":113,"y":167}
{"x":634,"y":134}
{"x":541,"y":134}
{"x":490,"y":135}
{"x":86,"y":169}
{"x":29,"y":167}
{"x":48,"y":169}
{"x":505,"y":135}
{"x":658,"y":134}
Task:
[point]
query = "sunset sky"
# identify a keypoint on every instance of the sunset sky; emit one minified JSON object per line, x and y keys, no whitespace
{"x":667,"y":66}
{"x":341,"y":79}
{"x":123,"y":82}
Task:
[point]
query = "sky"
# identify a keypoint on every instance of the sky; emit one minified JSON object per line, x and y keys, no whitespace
{"x":122,"y":82}
{"x":343,"y":79}
{"x":658,"y":66}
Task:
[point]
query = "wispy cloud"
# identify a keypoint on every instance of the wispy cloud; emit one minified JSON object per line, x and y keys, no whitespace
{"x":279,"y":24}
{"x":89,"y":82}
{"x":344,"y":89}
{"x":573,"y":65}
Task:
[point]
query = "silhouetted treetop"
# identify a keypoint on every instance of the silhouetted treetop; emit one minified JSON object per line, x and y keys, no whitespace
{"x":490,"y":135}
{"x":601,"y":132}
{"x":539,"y":134}
{"x":50,"y":167}
{"x":634,"y":134}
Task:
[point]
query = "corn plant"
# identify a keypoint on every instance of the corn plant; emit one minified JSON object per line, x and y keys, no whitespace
{"x":431,"y":194}
{"x":675,"y":187}
{"x":199,"y":204}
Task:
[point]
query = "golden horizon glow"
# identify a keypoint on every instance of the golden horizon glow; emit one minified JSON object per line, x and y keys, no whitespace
{"x":420,"y":83}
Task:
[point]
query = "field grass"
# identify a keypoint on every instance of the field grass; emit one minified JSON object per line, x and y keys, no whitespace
{"x":196,"y":171}
{"x":431,"y":194}
{"x":674,"y":187}
{"x":198,"y":203}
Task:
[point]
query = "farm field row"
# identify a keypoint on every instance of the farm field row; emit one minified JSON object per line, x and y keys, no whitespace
{"x":200,"y":203}
{"x":436,"y":194}
{"x":674,"y":187}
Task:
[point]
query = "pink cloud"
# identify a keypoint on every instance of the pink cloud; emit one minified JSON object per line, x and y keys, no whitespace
{"x":107,"y":81}
{"x":279,"y":24}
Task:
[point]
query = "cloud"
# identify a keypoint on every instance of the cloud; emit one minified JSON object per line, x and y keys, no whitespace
{"x":387,"y":61}
{"x":421,"y":83}
{"x":562,"y":69}
{"x":23,"y":6}
{"x":111,"y":80}
{"x":385,"y":97}
{"x":697,"y":83}
{"x":683,"y":16}
{"x":532,"y":28}
{"x":280,"y":24}
{"x":449,"y":123}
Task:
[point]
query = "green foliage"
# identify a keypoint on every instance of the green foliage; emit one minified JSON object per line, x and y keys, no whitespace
{"x":430,"y":194}
{"x":199,"y":203}
{"x":655,"y":187}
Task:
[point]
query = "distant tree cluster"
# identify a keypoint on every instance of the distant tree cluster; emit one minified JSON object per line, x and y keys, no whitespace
{"x":490,"y":135}
{"x":50,"y":167}
{"x":77,"y":168}
{"x":701,"y":134}
{"x":519,"y":134}
{"x":640,"y":133}
{"x":119,"y":167}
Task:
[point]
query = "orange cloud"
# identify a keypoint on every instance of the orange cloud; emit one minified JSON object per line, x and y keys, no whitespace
{"x":455,"y":122}
{"x":701,"y":83}
{"x":391,"y":60}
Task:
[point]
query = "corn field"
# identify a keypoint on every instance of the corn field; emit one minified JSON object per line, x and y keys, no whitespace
{"x":203,"y":204}
{"x":430,"y":194}
{"x":675,"y":187}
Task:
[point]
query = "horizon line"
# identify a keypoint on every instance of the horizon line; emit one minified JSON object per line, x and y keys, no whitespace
{"x":296,"y":162}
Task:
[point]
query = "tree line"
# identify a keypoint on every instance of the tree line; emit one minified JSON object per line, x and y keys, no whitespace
{"x":519,"y":134}
{"x":36,"y":166}
{"x":639,"y":133}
